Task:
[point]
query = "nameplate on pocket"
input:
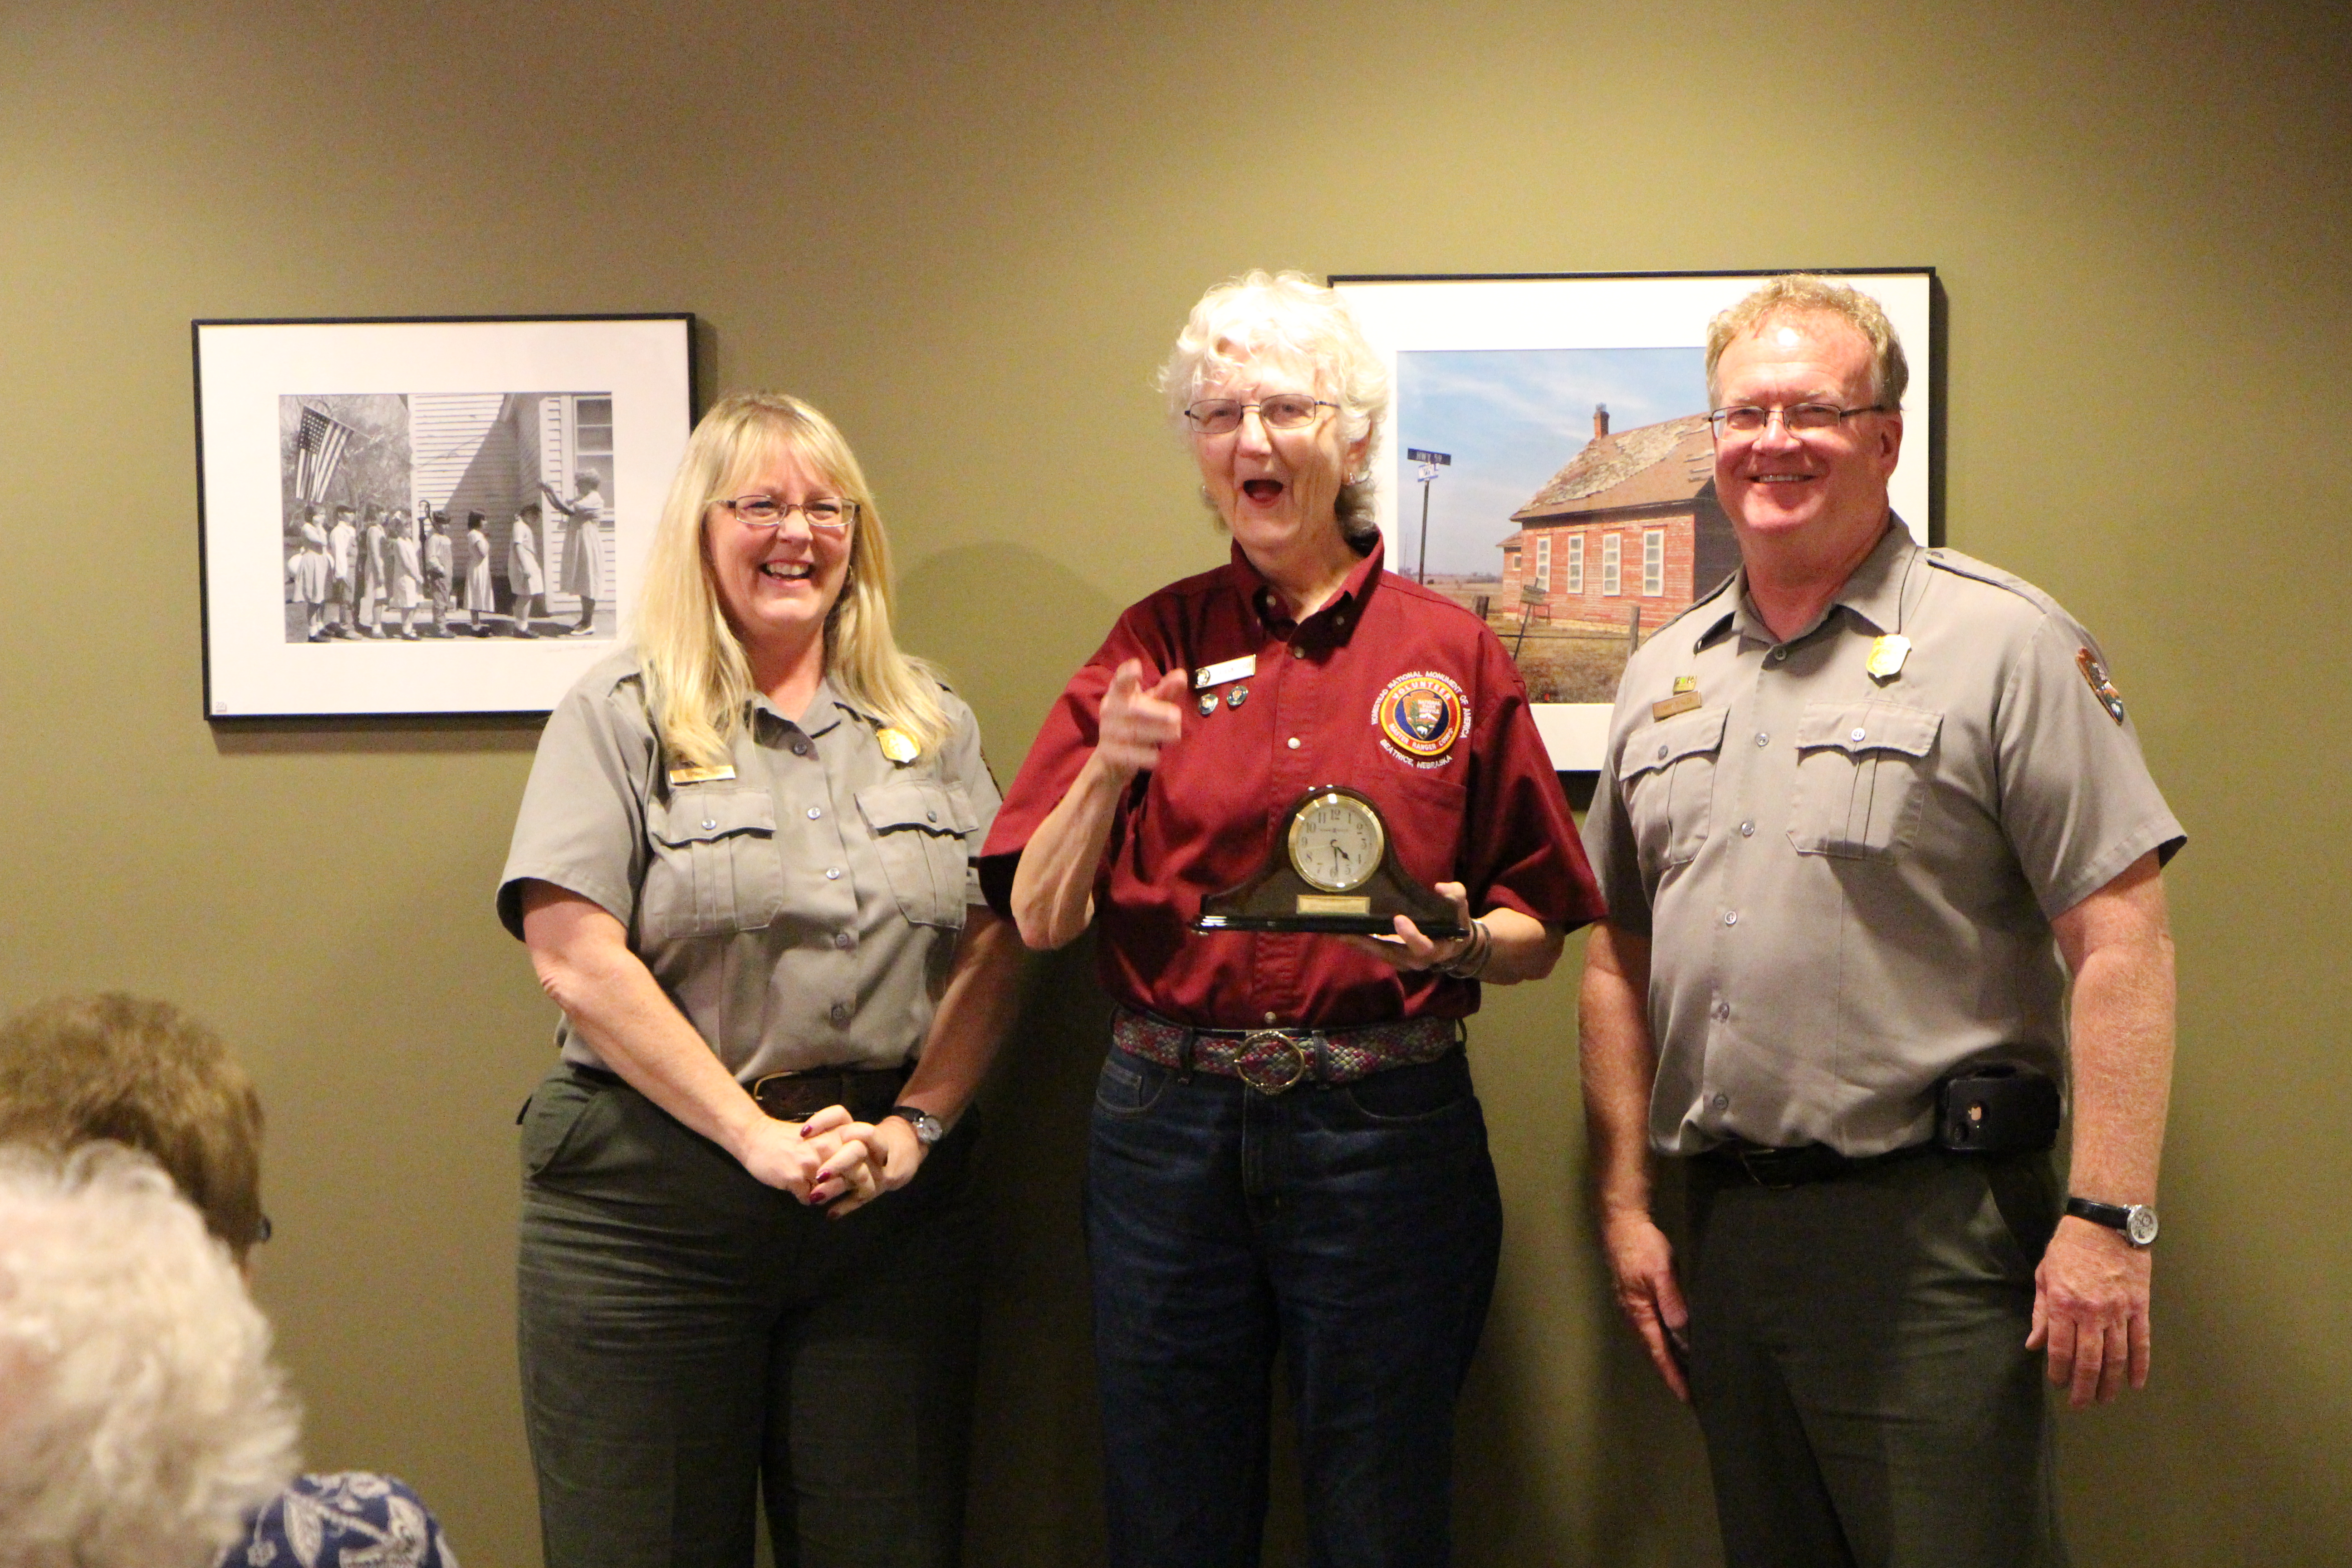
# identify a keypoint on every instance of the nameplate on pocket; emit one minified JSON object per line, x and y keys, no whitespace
{"x":1681,"y":702}
{"x":700,"y":775}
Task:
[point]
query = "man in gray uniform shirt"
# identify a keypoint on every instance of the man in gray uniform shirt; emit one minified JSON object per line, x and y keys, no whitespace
{"x":1857,"y":806}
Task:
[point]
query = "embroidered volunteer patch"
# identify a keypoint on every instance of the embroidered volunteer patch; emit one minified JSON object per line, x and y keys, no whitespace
{"x":1422,"y":713}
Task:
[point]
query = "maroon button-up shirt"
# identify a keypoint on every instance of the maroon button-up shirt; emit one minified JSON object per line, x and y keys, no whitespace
{"x":1391,"y":689}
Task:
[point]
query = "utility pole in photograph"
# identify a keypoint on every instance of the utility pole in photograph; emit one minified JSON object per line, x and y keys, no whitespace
{"x":1430,"y":463}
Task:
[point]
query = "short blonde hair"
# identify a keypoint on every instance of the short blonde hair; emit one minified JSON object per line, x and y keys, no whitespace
{"x":141,"y":1072}
{"x":1809,"y":294}
{"x":1286,"y":316}
{"x":697,"y":677}
{"x":140,"y":1416}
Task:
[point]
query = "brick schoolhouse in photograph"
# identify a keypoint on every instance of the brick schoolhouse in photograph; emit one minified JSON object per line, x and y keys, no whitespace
{"x":1628,"y":534}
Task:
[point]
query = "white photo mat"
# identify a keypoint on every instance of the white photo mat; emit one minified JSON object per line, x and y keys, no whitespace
{"x":243,"y":371}
{"x":1612,"y":312}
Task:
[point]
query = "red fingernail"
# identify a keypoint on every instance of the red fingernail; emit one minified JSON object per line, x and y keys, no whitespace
{"x":805,"y":1130}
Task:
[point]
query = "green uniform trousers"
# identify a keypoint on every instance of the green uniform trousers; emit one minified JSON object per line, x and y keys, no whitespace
{"x":692,"y":1339}
{"x":1858,"y":1363}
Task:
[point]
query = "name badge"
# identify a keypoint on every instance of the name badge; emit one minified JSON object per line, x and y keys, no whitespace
{"x":1218,"y":674}
{"x":700,"y":775}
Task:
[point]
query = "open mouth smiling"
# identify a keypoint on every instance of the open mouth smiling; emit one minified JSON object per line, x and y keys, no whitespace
{"x":1264,"y":492}
{"x":787,"y":571}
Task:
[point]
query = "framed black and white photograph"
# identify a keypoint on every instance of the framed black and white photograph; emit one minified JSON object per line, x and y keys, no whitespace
{"x":413,"y":516}
{"x":1550,"y":466}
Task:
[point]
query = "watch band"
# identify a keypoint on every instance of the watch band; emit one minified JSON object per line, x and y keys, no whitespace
{"x":2137,"y":1221}
{"x":928,"y":1128}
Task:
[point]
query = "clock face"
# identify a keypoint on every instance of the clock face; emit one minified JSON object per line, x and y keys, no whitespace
{"x":1336,"y":842}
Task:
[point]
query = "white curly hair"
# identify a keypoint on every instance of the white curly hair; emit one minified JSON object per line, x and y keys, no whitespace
{"x":140,"y":1416}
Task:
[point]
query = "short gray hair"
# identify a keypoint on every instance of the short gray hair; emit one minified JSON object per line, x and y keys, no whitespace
{"x":1286,"y":316}
{"x":1808,"y":294}
{"x":141,"y":1417}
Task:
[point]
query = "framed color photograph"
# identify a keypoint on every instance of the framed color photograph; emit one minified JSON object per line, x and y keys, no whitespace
{"x":1550,"y":462}
{"x":400,"y":517}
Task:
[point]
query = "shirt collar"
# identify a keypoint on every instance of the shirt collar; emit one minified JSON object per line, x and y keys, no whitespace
{"x":1343,"y":611}
{"x":825,"y":710}
{"x":1872,"y":593}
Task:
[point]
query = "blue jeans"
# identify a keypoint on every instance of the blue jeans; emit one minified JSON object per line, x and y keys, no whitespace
{"x":1356,"y":1229}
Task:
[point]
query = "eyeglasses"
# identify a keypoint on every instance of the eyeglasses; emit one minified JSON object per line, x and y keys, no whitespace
{"x":766,"y":511}
{"x":1285,"y":411}
{"x":1747,"y":419}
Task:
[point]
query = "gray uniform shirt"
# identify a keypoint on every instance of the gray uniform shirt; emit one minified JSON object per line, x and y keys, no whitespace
{"x":1848,"y":879}
{"x":802,"y":913}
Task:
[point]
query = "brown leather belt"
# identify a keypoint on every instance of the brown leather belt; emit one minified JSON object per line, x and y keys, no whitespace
{"x":1273,"y":1060}
{"x":869,"y":1093}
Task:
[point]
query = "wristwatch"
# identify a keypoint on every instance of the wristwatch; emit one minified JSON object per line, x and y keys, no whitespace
{"x":928,"y":1130}
{"x":2137,"y":1221}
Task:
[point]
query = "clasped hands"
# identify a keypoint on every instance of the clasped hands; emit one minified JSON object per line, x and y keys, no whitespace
{"x":833,"y":1161}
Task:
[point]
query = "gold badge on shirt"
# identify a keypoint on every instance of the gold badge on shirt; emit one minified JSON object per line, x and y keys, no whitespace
{"x":718,"y":774}
{"x":897,"y":744}
{"x":1684,"y":699}
{"x":1886,"y":656}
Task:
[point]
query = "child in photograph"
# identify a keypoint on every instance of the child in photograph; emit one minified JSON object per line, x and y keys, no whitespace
{"x":524,"y":575}
{"x":478,"y":597}
{"x":372,"y":571}
{"x":407,"y":570}
{"x":311,"y":574}
{"x":438,"y":559}
{"x":343,"y":585}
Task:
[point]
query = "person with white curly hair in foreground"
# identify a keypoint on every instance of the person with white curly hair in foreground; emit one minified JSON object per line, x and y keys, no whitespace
{"x":140,"y":1416}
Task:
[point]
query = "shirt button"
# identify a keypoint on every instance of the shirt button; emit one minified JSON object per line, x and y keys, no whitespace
{"x":1778,"y":653}
{"x":1722,"y":1010}
{"x":1856,"y":734}
{"x":1762,"y":739}
{"x":815,"y":813}
{"x":1746,"y":830}
{"x":709,"y":823}
{"x":929,"y":815}
{"x":841,"y":939}
{"x":1722,"y":1100}
{"x":800,"y":746}
{"x":1297,"y":651}
{"x":840,"y":1011}
{"x":1731,"y":917}
{"x":1269,"y":1017}
{"x":1662,"y":753}
{"x":1294,"y":743}
{"x":833,"y":873}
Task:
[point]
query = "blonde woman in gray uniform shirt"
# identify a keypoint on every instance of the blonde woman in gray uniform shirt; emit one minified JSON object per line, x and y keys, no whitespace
{"x":748,"y":1255}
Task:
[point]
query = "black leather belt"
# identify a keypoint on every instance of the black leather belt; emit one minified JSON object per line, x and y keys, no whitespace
{"x":869,"y":1093}
{"x":1766,"y":1166}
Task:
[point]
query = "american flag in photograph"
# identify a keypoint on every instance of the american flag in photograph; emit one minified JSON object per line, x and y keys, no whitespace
{"x":317,"y":448}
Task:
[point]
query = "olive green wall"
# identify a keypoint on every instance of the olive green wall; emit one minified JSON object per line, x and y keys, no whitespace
{"x":968,"y":231}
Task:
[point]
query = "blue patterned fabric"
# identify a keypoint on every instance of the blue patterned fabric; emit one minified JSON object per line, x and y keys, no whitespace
{"x":354,"y":1519}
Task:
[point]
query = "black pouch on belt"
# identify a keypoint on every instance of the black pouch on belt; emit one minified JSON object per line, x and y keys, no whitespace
{"x":1997,"y":1108}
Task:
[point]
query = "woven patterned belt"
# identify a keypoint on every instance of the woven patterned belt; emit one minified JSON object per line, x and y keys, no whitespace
{"x":1272,"y":1060}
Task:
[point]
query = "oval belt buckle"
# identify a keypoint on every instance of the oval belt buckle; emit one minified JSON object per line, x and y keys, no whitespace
{"x":1251,"y":1072}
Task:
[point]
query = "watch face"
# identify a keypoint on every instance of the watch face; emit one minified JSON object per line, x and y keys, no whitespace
{"x":1336,"y":842}
{"x":2139,"y":1225}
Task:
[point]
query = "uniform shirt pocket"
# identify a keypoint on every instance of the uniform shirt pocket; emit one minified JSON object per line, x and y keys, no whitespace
{"x":1668,"y":774}
{"x":1862,"y":773}
{"x":918,"y":826}
{"x":714,"y":866}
